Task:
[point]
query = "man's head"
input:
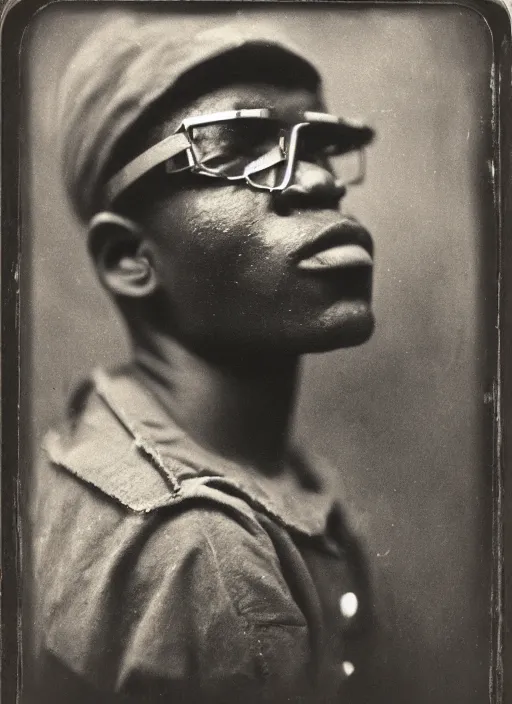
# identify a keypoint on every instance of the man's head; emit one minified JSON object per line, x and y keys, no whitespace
{"x":223,"y":266}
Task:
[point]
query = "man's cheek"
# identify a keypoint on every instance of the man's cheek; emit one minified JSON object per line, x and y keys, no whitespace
{"x":229,"y":209}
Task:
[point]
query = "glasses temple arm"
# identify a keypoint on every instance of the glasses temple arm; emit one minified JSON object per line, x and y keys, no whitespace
{"x":164,"y":150}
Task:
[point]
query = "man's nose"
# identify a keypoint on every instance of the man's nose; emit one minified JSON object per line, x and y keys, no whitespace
{"x":312,"y":186}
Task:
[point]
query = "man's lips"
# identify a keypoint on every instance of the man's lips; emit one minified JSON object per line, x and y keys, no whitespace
{"x":344,"y":244}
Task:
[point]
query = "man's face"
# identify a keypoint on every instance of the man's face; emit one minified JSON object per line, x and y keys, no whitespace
{"x":250,"y":271}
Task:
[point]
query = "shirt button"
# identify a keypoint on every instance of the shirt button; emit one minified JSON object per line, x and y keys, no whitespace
{"x":348,"y":668}
{"x":349,"y":604}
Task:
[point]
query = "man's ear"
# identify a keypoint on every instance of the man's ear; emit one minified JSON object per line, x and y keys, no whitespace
{"x":122,"y":256}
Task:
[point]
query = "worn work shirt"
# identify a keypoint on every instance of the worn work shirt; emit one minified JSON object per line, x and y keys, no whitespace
{"x":166,"y":574}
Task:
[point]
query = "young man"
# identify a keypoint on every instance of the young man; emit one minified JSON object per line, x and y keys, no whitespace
{"x":184,"y":551}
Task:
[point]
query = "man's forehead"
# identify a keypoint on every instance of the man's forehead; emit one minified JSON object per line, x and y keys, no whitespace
{"x":286,"y":101}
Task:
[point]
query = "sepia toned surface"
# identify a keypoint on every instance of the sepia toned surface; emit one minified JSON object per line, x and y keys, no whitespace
{"x":404,"y":416}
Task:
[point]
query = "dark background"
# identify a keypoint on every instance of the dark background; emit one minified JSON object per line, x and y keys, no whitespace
{"x":404,"y":417}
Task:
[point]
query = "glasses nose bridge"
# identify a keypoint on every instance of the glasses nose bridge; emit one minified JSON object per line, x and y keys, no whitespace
{"x":306,"y":176}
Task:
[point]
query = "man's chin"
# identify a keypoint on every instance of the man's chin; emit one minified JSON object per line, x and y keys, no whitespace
{"x":353,"y":328}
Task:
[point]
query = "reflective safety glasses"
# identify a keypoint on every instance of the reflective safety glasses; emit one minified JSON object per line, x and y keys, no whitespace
{"x":254,"y":146}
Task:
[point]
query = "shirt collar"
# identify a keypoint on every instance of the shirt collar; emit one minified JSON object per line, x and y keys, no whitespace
{"x":302,"y":499}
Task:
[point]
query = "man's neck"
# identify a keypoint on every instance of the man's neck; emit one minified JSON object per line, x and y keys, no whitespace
{"x":240,"y":411}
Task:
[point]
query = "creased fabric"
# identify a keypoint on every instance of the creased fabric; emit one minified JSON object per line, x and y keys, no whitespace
{"x":163,"y":573}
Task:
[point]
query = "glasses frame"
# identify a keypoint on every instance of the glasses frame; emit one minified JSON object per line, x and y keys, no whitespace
{"x":181,"y":142}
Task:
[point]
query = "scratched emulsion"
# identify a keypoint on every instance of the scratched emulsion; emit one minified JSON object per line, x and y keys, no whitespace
{"x":403,"y":417}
